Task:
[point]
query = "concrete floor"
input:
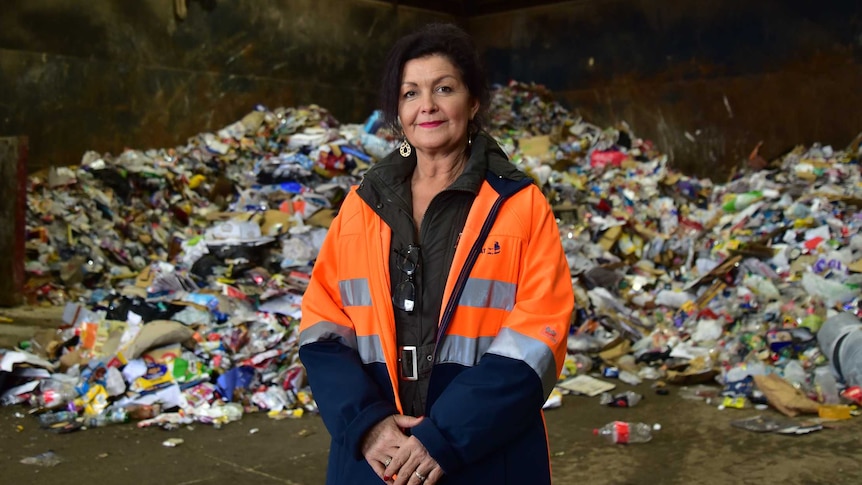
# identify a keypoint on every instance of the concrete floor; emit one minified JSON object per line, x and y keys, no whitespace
{"x":697,"y":444}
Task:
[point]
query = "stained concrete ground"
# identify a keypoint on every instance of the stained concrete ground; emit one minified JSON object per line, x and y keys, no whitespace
{"x":696,"y":445}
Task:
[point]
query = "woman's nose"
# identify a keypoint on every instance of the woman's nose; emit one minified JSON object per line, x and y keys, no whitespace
{"x":428,"y":104}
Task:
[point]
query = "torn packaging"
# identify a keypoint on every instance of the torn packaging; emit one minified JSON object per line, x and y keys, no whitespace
{"x":784,"y":397}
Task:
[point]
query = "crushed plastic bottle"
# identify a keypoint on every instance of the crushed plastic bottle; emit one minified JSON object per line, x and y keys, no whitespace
{"x":49,"y":419}
{"x":54,"y":393}
{"x":629,"y":378}
{"x":48,"y":459}
{"x":621,"y":432}
{"x":626,"y":399}
{"x":737,"y":202}
{"x":173,"y":442}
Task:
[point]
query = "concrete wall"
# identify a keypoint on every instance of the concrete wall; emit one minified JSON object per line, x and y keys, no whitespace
{"x":13,"y":186}
{"x":727,"y":72}
{"x":107,"y":74}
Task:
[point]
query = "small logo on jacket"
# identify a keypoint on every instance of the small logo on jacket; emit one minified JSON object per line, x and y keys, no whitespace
{"x":495,"y":249}
{"x":550,"y":333}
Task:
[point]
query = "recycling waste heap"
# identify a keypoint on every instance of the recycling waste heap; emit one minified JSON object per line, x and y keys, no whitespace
{"x":181,"y":271}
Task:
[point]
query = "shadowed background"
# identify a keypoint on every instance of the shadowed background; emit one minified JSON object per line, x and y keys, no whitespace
{"x":705,"y":80}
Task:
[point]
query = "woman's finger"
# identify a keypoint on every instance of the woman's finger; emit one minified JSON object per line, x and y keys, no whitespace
{"x":434,"y":475}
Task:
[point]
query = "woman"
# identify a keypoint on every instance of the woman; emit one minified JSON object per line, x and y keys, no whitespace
{"x":434,"y":326}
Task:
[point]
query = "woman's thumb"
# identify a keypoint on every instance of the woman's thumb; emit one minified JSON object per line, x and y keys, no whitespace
{"x":404,"y":421}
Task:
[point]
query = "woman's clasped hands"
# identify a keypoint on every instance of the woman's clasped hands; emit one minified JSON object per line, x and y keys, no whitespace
{"x":399,"y":459}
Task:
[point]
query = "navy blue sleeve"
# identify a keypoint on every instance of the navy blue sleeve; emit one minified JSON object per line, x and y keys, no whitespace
{"x":350,"y":401}
{"x":482,"y":408}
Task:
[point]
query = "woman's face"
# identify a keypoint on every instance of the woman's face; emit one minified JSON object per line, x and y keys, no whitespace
{"x":435,"y":105}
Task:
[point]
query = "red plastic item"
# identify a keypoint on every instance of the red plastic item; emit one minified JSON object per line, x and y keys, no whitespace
{"x":603,"y":159}
{"x":853,"y":393}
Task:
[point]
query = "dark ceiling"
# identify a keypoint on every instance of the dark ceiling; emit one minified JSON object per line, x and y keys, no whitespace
{"x":471,"y":8}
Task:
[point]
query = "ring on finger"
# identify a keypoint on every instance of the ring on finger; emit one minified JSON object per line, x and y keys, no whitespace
{"x":420,"y":476}
{"x":387,"y":461}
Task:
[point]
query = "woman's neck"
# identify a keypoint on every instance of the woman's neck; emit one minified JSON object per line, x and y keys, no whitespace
{"x":439,"y":171}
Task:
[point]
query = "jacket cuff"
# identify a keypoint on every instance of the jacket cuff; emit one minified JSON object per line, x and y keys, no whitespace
{"x":438,"y":446}
{"x":365,"y":421}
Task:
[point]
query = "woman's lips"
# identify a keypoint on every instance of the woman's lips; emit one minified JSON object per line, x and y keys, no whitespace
{"x":431,"y":124}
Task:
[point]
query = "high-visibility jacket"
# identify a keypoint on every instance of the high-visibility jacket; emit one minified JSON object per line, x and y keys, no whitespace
{"x":500,"y":347}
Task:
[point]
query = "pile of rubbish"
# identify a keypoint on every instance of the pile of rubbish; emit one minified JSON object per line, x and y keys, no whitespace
{"x":182,"y":270}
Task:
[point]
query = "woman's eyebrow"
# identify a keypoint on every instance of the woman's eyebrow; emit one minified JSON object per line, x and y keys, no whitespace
{"x":435,"y":81}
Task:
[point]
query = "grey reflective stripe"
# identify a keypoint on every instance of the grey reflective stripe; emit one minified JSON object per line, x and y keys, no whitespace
{"x":369,"y":347}
{"x":465,"y":351}
{"x":322,"y":331}
{"x":370,"y":350}
{"x":535,"y":353}
{"x":355,"y":292}
{"x":488,"y":294}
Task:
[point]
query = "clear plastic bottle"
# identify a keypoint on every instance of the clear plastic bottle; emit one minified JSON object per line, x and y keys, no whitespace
{"x":583,"y":364}
{"x":49,"y":419}
{"x":622,"y":432}
{"x":110,"y":417}
{"x":826,"y":386}
{"x":795,"y":373}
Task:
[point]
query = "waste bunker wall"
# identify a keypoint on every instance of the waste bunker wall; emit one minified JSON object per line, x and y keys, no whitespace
{"x":706,"y":81}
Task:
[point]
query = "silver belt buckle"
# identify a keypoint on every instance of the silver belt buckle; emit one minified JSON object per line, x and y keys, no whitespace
{"x":408,"y":362}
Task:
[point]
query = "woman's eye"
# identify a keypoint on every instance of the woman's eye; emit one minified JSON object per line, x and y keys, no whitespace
{"x":409,"y":94}
{"x":444,"y":89}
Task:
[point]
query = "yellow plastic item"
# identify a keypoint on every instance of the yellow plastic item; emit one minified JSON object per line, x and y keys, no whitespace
{"x":196,"y":181}
{"x":834,"y":411}
{"x":286,"y":413}
{"x":734,"y":402}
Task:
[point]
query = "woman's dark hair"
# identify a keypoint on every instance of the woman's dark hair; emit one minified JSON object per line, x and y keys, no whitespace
{"x":447,"y":40}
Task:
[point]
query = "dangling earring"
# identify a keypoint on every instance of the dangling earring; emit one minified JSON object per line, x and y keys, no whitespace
{"x":405,"y":149}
